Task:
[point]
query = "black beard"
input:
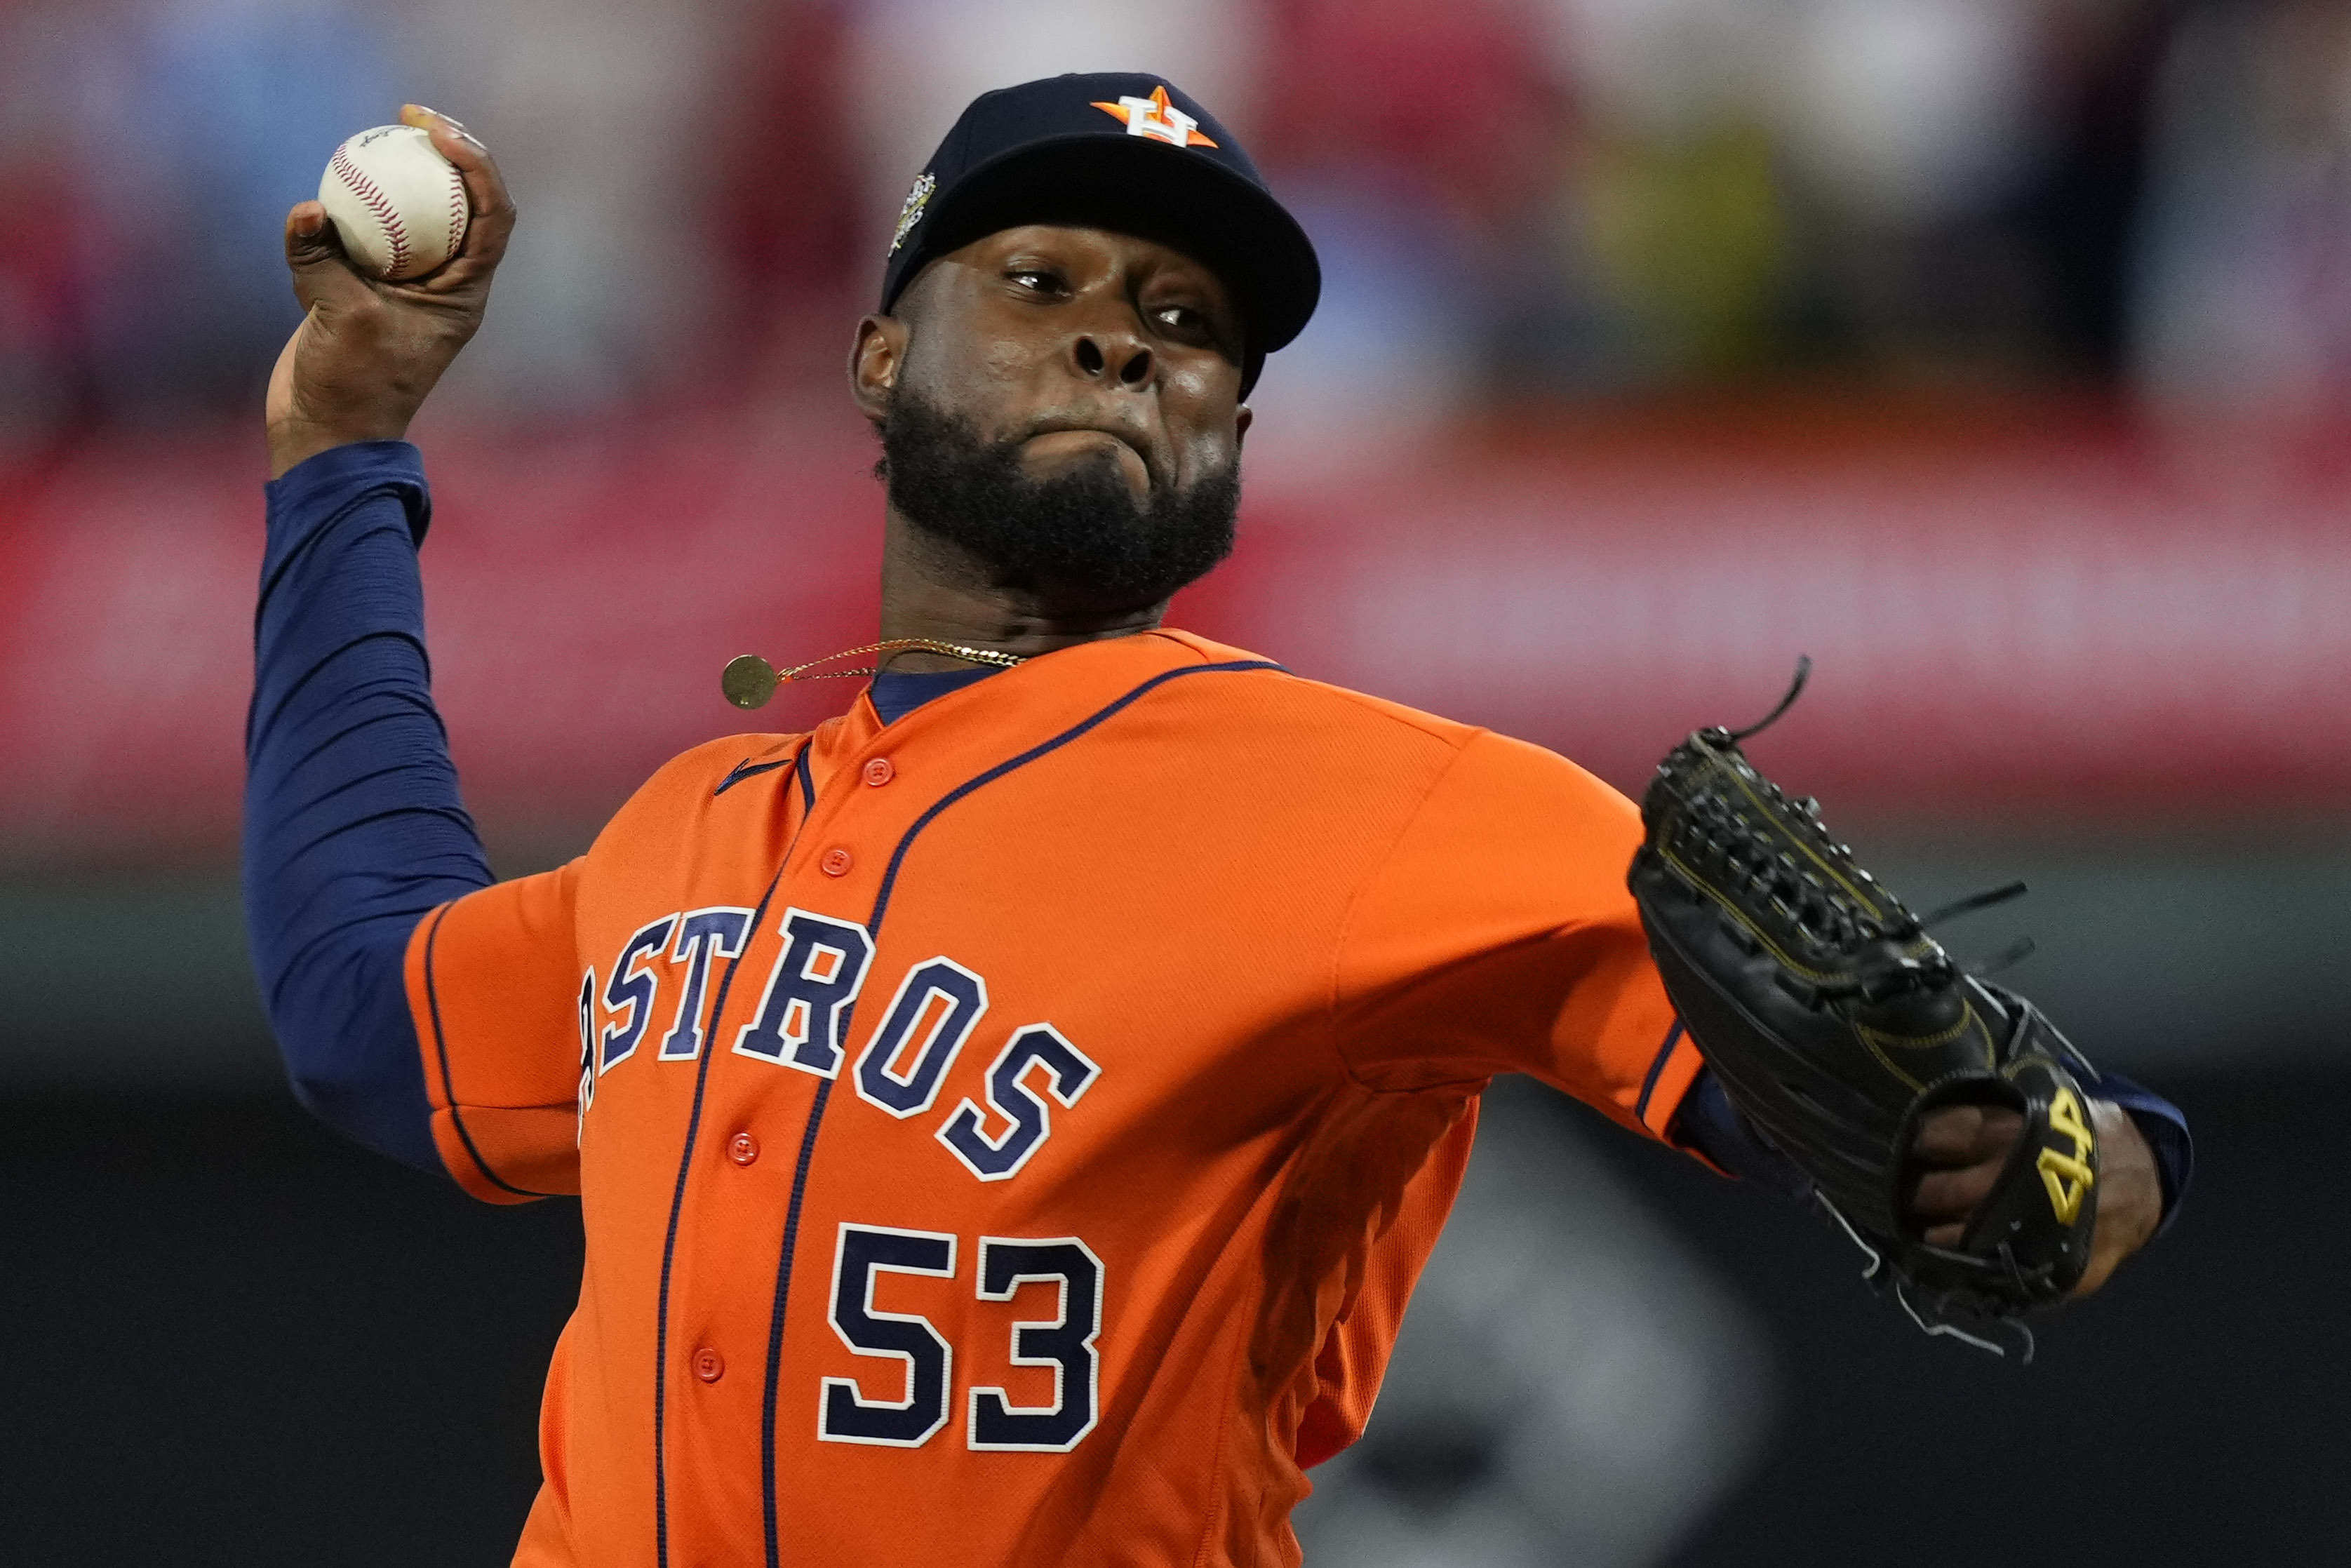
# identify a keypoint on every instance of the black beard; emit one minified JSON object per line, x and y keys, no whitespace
{"x":1079,"y":538}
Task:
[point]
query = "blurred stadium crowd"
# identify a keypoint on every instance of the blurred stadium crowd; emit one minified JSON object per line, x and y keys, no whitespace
{"x":1511,"y":196}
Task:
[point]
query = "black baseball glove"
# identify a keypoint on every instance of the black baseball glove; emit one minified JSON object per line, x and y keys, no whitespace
{"x":1836,"y":1025}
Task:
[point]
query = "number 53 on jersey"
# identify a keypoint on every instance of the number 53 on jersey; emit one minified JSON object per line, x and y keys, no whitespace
{"x":992,"y":1422}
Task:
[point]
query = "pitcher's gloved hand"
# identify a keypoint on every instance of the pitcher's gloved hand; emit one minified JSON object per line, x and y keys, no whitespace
{"x":1960,"y":1151}
{"x":1942,"y":1119}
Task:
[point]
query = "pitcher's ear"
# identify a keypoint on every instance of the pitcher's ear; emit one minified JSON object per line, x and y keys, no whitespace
{"x":875,"y":361}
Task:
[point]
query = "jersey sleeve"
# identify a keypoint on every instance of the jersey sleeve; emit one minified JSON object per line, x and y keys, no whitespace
{"x":1498,"y":936}
{"x":493,"y":983}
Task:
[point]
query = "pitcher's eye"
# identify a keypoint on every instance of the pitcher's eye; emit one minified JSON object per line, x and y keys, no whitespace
{"x":1183,"y":321}
{"x":1035,"y":280}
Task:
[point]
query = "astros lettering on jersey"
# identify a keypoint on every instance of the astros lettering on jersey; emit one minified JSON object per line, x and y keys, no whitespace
{"x":1010,"y":1135}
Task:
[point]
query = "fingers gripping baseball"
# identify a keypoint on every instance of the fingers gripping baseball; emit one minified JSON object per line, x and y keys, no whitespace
{"x":314,"y":254}
{"x":493,"y":209}
{"x":369,"y":349}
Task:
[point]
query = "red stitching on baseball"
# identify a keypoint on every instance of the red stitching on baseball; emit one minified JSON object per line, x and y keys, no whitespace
{"x":459,"y":212}
{"x":370,"y":192}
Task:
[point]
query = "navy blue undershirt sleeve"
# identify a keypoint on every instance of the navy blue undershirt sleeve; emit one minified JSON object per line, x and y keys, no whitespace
{"x":1707,"y":1123}
{"x":353,"y":827}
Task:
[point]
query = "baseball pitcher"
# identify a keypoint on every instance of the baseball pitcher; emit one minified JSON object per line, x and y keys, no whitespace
{"x":1007,"y":1119}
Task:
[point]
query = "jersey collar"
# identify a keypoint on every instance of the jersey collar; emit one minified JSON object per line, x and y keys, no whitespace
{"x":1025,"y":705}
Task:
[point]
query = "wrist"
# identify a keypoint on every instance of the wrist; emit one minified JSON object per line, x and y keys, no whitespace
{"x":295,"y":441}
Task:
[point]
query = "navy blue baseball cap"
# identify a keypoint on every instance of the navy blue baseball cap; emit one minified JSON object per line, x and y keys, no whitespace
{"x":1121,"y":151}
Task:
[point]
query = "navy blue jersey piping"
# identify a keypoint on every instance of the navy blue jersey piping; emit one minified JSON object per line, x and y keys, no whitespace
{"x":769,"y":1502}
{"x":685,"y":1165}
{"x":823,"y":1095}
{"x":1656,"y":1071}
{"x":448,"y":1087}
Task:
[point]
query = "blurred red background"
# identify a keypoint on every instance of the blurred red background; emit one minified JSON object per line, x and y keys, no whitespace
{"x":2026,"y":613}
{"x":1997,"y":354}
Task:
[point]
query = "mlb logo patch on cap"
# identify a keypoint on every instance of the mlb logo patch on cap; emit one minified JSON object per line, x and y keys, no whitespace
{"x":911,"y":212}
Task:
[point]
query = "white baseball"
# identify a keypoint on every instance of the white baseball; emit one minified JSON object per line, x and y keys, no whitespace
{"x":399,"y":205}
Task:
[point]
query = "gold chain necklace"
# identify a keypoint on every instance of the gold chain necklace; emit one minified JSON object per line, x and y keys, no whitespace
{"x":748,"y":681}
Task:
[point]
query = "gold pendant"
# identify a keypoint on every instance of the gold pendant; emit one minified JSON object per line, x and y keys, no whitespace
{"x":748,"y":681}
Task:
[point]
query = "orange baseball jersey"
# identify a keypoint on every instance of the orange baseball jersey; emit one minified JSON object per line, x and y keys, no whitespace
{"x":1010,"y":1135}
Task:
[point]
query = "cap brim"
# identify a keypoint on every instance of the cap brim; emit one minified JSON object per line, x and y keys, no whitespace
{"x":1148,"y":188}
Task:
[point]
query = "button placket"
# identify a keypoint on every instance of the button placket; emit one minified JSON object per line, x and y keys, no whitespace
{"x":838,"y":860}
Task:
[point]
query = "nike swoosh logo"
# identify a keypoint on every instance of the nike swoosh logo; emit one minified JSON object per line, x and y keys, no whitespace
{"x":746,"y":769}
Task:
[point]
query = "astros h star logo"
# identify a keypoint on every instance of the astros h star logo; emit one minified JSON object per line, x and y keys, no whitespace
{"x":1156,"y":118}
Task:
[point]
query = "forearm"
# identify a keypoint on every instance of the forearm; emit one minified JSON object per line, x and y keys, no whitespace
{"x":354,"y":827}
